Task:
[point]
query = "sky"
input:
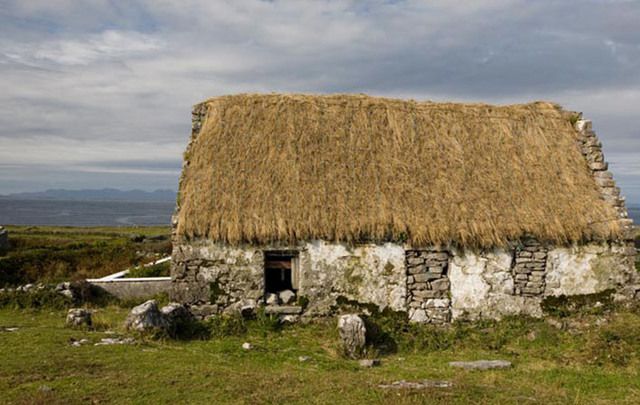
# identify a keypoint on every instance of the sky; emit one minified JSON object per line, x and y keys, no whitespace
{"x":98,"y":94}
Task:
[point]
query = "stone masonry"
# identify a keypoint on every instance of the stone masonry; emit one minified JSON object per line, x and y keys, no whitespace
{"x":529,"y":266}
{"x":591,"y":149}
{"x":428,"y":286}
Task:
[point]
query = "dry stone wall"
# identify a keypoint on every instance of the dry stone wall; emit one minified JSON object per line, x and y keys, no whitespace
{"x":529,"y":265}
{"x":591,"y":149}
{"x":428,"y":286}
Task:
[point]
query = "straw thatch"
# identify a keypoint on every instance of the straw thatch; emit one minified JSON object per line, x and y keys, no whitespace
{"x":270,"y":168}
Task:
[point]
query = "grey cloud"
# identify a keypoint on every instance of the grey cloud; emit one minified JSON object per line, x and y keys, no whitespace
{"x":107,"y":78}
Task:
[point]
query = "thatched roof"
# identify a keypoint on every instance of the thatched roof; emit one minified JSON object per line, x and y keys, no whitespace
{"x":270,"y":168}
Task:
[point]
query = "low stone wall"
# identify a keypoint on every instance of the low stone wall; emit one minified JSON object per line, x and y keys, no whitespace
{"x":134,"y":287}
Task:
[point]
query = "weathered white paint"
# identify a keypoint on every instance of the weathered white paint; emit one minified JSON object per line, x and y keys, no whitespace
{"x":482,"y":286}
{"x":366,"y":273}
{"x":482,"y":282}
{"x":586,"y":269}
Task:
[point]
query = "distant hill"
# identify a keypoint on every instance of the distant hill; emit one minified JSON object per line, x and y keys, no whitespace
{"x":105,"y":194}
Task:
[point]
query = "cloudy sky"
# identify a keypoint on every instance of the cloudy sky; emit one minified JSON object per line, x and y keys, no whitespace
{"x":98,"y":93}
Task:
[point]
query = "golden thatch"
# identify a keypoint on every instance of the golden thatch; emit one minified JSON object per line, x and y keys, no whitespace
{"x":270,"y":168}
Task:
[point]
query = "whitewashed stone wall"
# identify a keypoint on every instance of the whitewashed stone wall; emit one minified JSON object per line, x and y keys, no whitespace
{"x":587,"y":269}
{"x":204,"y":272}
{"x":483,"y":284}
{"x":370,"y":273}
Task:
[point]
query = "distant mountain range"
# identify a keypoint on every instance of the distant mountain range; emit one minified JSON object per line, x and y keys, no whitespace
{"x":105,"y":194}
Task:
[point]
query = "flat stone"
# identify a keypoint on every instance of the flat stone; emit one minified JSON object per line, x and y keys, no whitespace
{"x":438,"y":256}
{"x":303,"y":359}
{"x":438,"y":303}
{"x":419,"y":316}
{"x":115,"y":341}
{"x":282,"y":310}
{"x":417,"y":385}
{"x":413,"y":261}
{"x":481,"y":364}
{"x":419,"y":286}
{"x":441,"y":284}
{"x":421,"y":278}
{"x":532,"y":290}
{"x":247,"y":346}
{"x":417,"y":270}
{"x":426,"y":294}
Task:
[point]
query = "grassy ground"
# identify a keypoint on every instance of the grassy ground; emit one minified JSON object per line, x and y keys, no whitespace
{"x":589,"y":356}
{"x":594,"y":359}
{"x":53,"y":254}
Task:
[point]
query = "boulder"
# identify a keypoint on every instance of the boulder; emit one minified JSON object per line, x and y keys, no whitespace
{"x":353,"y":335}
{"x":417,"y":385}
{"x":146,"y":317}
{"x":175,"y":314}
{"x":78,"y":317}
{"x":287,"y":297}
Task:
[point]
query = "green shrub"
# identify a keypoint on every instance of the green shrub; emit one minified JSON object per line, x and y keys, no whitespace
{"x":34,"y":299}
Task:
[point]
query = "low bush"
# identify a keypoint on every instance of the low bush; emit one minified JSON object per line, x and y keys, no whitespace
{"x":34,"y":299}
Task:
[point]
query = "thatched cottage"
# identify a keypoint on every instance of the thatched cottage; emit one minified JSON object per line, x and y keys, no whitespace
{"x":441,"y":210}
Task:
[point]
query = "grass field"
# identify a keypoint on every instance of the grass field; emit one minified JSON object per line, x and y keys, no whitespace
{"x":590,"y":355}
{"x":595,"y":360}
{"x":54,"y":254}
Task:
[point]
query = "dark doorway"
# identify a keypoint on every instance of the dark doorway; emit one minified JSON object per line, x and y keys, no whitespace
{"x":278,"y":270}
